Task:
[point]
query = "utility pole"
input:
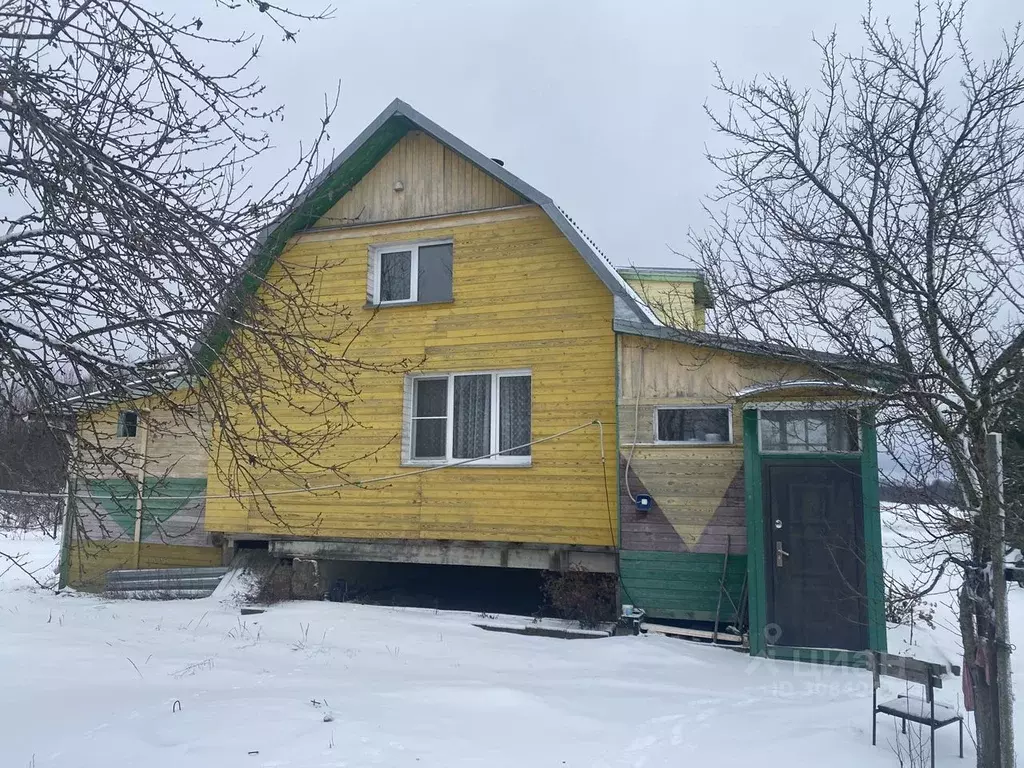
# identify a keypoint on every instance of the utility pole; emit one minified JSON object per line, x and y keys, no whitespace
{"x":1003,"y":683}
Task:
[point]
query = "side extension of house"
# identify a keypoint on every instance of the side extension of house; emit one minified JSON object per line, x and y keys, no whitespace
{"x":141,"y":500}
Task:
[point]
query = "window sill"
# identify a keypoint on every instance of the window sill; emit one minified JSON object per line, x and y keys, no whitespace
{"x":674,"y":444}
{"x":463,"y":464}
{"x":803,"y":454}
{"x":397,"y":304}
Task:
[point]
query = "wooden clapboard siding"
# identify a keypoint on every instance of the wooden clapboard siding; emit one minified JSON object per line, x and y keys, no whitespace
{"x":90,"y":560}
{"x":670,"y":585}
{"x":523,"y":298}
{"x":175,"y":439}
{"x":698,"y":491}
{"x":663,"y":372}
{"x":697,"y":508}
{"x":435,"y":181}
{"x":173,"y":474}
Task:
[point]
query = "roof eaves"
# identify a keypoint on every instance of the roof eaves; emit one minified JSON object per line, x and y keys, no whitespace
{"x":132,"y":390}
{"x":600,"y":265}
{"x":273,"y":237}
{"x":756,"y":348}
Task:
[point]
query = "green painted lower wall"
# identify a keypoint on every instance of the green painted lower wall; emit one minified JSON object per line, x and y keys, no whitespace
{"x":672,"y":585}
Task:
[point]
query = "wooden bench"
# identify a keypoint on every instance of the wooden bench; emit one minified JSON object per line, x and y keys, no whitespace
{"x":913,"y":708}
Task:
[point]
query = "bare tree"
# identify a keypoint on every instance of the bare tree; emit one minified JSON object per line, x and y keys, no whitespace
{"x":32,"y":459}
{"x":880,"y":215}
{"x":134,"y":250}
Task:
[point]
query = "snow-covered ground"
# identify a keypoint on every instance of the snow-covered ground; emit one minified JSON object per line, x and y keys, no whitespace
{"x":91,"y":682}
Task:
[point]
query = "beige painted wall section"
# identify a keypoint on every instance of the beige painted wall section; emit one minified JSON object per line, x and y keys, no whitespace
{"x":697,"y":488}
{"x":523,"y":298}
{"x":174,"y":441}
{"x":435,"y":181}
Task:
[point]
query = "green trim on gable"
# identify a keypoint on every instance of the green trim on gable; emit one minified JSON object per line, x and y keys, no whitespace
{"x":324,"y":194}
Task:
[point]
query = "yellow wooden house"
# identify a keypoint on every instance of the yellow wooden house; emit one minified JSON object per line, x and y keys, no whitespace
{"x":565,"y":413}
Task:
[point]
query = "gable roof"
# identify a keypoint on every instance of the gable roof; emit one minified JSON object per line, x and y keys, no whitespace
{"x":355,"y":161}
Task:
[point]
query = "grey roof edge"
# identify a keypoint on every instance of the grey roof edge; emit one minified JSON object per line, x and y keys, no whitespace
{"x":601,"y":267}
{"x":742,"y":346}
{"x":398,"y":108}
{"x":604,"y":270}
{"x":477,"y":158}
{"x":636,"y":269}
{"x":158,"y":384}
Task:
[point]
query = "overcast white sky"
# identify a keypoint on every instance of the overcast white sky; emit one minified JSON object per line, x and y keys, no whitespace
{"x":597,"y":104}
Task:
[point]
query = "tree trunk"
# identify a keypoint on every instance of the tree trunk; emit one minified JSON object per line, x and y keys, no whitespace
{"x":984,"y":625}
{"x":1002,"y":681}
{"x":986,"y":721}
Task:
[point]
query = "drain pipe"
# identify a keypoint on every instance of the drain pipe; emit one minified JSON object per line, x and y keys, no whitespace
{"x":70,"y":510}
{"x":141,"y":485}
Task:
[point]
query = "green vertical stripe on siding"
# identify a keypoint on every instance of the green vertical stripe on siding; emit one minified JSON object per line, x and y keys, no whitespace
{"x":872,"y":533}
{"x":672,"y":585}
{"x":755,"y":533}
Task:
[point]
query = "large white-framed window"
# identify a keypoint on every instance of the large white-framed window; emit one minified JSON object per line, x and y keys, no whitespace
{"x":693,"y":424}
{"x":799,"y":428}
{"x":482,"y":417}
{"x":411,"y":273}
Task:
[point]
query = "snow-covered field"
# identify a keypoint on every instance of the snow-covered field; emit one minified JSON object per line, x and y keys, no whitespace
{"x":91,"y":682}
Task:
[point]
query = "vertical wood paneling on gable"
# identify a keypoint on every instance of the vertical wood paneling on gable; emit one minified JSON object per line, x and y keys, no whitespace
{"x":436,"y":181}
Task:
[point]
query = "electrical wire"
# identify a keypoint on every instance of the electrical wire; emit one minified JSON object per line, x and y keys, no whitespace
{"x":636,"y":425}
{"x":336,"y":486}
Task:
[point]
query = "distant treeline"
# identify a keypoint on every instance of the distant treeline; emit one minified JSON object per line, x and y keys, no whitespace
{"x":935,"y":492}
{"x":32,"y":458}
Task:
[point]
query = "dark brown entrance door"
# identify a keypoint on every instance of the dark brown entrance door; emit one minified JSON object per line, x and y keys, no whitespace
{"x":816,"y":586}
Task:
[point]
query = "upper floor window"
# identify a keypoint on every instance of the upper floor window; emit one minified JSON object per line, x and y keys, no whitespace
{"x":809,"y":431}
{"x":127,"y":423}
{"x":485,"y":416}
{"x":411,"y":273}
{"x":696,"y":424}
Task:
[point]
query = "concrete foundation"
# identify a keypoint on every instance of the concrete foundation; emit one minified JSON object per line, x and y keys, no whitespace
{"x":473,"y":553}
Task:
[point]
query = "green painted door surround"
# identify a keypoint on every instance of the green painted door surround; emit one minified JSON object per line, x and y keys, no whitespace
{"x":764,"y":635}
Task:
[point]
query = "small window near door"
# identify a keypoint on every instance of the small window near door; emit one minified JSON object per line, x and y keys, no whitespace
{"x":127,"y":423}
{"x":693,"y":425}
{"x":809,"y":431}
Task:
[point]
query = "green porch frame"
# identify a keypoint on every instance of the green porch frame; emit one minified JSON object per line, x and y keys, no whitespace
{"x":756,"y":554}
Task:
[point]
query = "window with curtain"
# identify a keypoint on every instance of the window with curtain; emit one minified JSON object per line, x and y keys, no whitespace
{"x":485,"y":416}
{"x":809,"y":431}
{"x":411,"y":274}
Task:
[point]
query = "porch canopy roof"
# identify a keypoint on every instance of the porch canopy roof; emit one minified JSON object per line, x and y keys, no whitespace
{"x":811,"y":390}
